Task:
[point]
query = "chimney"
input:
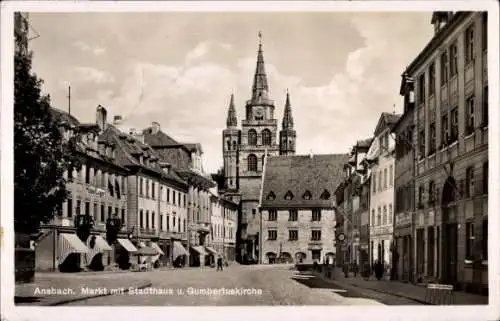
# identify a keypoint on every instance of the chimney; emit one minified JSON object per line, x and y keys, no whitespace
{"x":137,"y":135}
{"x":310,"y":153}
{"x":155,"y":127}
{"x":100,"y":119}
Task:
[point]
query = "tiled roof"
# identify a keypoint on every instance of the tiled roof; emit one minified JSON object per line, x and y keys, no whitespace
{"x":298,"y":174}
{"x":391,"y":119}
{"x":158,"y":139}
{"x":196,"y":179}
{"x":365,"y":142}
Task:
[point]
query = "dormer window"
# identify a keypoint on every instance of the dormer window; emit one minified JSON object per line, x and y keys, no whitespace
{"x":271,"y":196}
{"x":325,"y":195}
{"x":289,"y":196}
{"x":307,"y":195}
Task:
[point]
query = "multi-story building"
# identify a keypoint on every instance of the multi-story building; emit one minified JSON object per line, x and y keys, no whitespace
{"x":451,"y":140}
{"x":348,"y":202}
{"x":224,"y":226}
{"x":298,"y":207}
{"x":244,"y":151}
{"x":382,"y":162}
{"x":186,"y":162}
{"x":97,"y":193}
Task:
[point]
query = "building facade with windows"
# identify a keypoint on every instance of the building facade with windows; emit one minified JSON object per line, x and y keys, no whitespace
{"x":244,"y":151}
{"x":298,"y":207}
{"x":185,"y":162}
{"x":382,"y":162}
{"x":451,"y":141}
{"x":224,"y":226}
{"x":98,"y":192}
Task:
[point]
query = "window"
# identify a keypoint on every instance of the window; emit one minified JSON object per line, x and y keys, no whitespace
{"x":153,"y":219}
{"x":390,"y":214}
{"x":272,"y":235}
{"x":173,"y":196}
{"x":168,"y":222}
{"x":141,"y":190}
{"x":420,"y":196}
{"x":184,"y":224}
{"x":485,"y":31}
{"x":380,"y":181}
{"x":444,"y":68}
{"x":141,"y":219}
{"x":432,"y":79}
{"x":147,"y":219}
{"x":379,"y":216}
{"x":252,"y":137}
{"x":123,"y":215}
{"x":469,"y":44}
{"x":173,"y":221}
{"x":234,"y":145}
{"x":485,"y":106}
{"x":272,"y":215}
{"x":384,"y":217}
{"x":325,"y":195}
{"x":484,"y":243}
{"x":292,"y":215}
{"x":179,"y":224}
{"x":252,"y":163}
{"x":469,"y":114}
{"x":254,"y":211}
{"x":444,"y":130}
{"x":374,"y":182}
{"x":453,"y":59}
{"x":316,"y":215}
{"x":469,"y":239}
{"x":469,"y":182}
{"x":147,"y":188}
{"x":271,"y":196}
{"x":391,"y":175}
{"x":485,"y":178}
{"x":454,"y":125}
{"x":78,"y":209}
{"x":293,"y":235}
{"x":421,"y":89}
{"x":168,"y":195}
{"x":94,"y":213}
{"x":289,"y":196}
{"x":87,"y":174}
{"x":373,"y":218}
{"x":228,"y":145}
{"x":153,"y":190}
{"x":307,"y":195}
{"x":421,"y":144}
{"x":432,"y":138}
{"x":103,"y":214}
{"x":70,"y":208}
{"x":316,"y":235}
{"x":385,"y":177}
{"x":266,"y":137}
{"x":432,"y":192}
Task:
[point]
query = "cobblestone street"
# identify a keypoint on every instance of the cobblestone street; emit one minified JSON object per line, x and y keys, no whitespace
{"x":280,"y":285}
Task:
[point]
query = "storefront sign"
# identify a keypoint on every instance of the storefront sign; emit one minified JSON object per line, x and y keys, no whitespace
{"x":96,"y":191}
{"x":403,"y":219}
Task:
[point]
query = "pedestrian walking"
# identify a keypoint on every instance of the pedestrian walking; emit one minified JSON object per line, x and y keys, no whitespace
{"x":219,"y":263}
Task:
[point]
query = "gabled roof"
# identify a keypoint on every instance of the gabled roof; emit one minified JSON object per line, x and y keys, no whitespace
{"x":365,"y":143}
{"x":299,"y":173}
{"x":158,"y":139}
{"x":386,"y":120}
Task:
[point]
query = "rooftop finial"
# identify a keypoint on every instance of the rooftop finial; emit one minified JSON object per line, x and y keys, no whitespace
{"x":260,"y":38}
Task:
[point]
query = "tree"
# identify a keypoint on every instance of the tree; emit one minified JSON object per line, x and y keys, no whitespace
{"x":41,"y":154}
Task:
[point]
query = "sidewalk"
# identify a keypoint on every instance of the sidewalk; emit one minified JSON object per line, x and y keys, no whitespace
{"x":59,"y":288}
{"x":407,"y":290}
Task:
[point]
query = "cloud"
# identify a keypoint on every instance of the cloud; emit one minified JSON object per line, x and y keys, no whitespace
{"x":96,"y":50}
{"x":93,"y":75}
{"x":226,"y":46}
{"x":197,"y":52}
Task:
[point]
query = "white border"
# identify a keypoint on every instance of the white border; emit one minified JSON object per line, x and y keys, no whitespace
{"x":10,"y":312}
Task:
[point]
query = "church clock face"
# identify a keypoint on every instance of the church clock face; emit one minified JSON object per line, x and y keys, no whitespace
{"x":259,"y":114}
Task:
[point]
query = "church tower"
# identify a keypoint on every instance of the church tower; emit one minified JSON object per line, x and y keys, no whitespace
{"x":287,"y":133}
{"x":230,"y":146}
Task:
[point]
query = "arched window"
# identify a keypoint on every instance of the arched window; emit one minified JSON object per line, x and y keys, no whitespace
{"x":252,"y":163}
{"x":266,"y":137}
{"x":234,"y":145}
{"x":252,"y":137}
{"x":228,"y":145}
{"x":307,"y":195}
{"x":289,"y":195}
{"x":325,"y":195}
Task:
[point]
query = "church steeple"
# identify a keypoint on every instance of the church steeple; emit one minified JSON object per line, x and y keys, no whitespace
{"x":287,"y":117}
{"x":231,"y":121}
{"x":260,"y":88}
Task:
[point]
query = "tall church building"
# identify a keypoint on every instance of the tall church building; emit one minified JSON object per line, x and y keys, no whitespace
{"x":243,"y":153}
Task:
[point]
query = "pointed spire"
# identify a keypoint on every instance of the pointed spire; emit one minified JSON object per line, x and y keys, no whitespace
{"x":231,"y":121}
{"x":260,"y":87}
{"x":287,"y":117}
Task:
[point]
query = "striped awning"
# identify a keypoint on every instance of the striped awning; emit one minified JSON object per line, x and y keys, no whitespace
{"x":155,"y":246}
{"x":70,"y":243}
{"x":178,"y":250}
{"x":199,"y":249}
{"x":96,"y":244}
{"x":127,"y":245}
{"x":210,"y":249}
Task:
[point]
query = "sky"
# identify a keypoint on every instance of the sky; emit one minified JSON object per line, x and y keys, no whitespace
{"x":179,"y":69}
